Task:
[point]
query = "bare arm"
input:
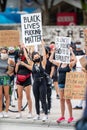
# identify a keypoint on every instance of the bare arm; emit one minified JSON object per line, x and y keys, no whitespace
{"x":74,"y":60}
{"x":52,"y":71}
{"x":55,"y":62}
{"x":44,"y":54}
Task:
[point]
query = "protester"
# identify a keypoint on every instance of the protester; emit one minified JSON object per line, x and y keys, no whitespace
{"x":6,"y":68}
{"x":63,"y":69}
{"x":23,"y":83}
{"x":49,"y":69}
{"x":78,"y":52}
{"x":39,"y":85}
{"x":55,"y":74}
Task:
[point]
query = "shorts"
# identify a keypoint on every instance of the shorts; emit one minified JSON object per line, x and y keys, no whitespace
{"x":27,"y":82}
{"x":61,"y":86}
{"x":5,"y":80}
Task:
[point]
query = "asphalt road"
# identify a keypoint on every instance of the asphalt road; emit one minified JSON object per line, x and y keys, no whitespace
{"x":14,"y":126}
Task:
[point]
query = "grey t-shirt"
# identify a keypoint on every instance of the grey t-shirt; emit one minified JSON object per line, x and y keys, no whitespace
{"x":3,"y":67}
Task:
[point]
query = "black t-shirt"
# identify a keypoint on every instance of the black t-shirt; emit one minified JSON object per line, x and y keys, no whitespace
{"x":78,"y":53}
{"x":14,"y":55}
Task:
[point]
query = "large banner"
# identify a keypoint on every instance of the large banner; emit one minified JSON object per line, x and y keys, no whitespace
{"x":31,"y":28}
{"x":9,"y":38}
{"x":62,"y":45}
{"x":75,"y":85}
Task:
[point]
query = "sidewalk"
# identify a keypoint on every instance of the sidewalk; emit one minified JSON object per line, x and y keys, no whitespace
{"x":52,"y":117}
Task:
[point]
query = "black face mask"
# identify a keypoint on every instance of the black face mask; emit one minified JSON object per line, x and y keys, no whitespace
{"x":37,"y":60}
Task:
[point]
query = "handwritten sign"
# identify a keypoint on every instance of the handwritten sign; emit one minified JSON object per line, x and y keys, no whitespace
{"x":31,"y":28}
{"x":9,"y":38}
{"x":62,"y":53}
{"x":75,"y":85}
{"x":85,"y":36}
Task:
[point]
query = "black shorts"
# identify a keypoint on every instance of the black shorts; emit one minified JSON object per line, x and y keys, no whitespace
{"x":27,"y":82}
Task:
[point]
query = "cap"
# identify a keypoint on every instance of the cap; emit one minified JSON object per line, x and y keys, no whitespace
{"x":11,"y":48}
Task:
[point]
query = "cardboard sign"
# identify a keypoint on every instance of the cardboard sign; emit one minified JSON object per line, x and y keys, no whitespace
{"x":62,"y":53}
{"x":75,"y":85}
{"x":85,"y":36}
{"x":83,"y":61}
{"x":9,"y":38}
{"x":31,"y":28}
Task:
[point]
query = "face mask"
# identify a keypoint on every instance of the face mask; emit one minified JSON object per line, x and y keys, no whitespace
{"x":4,"y":56}
{"x":37,"y":60}
{"x":78,"y":46}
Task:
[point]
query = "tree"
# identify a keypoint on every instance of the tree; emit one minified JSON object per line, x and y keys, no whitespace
{"x":47,"y":7}
{"x":84,"y":8}
{"x":3,"y":5}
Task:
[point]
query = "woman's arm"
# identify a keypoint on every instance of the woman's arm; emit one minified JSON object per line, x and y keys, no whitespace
{"x":28,"y":66}
{"x":44,"y":54}
{"x":55,"y":62}
{"x":17,"y":66}
{"x":73,"y":59}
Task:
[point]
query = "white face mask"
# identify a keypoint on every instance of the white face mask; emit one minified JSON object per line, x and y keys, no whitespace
{"x":78,"y":46}
{"x":4,"y":56}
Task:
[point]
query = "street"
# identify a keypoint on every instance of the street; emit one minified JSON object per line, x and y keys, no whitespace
{"x":14,"y":126}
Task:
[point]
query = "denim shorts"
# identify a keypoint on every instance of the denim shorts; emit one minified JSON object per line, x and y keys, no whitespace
{"x":4,"y":80}
{"x":61,"y":86}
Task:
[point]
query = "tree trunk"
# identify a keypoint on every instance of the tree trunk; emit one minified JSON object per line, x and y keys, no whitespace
{"x":46,"y":18}
{"x":85,"y":17}
{"x":3,"y":5}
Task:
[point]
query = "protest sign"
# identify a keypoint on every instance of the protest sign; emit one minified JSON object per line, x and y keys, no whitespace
{"x":9,"y":38}
{"x":83,"y":61}
{"x":75,"y":85}
{"x":62,"y":45}
{"x":85,"y":36}
{"x":31,"y":28}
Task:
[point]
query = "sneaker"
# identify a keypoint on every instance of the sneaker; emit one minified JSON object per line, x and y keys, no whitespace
{"x":59,"y":120}
{"x":6,"y":115}
{"x":70,"y":119}
{"x":29,"y":115}
{"x":18,"y":116}
{"x":37,"y":117}
{"x":78,"y":107}
{"x":45,"y":118}
{"x":1,"y":115}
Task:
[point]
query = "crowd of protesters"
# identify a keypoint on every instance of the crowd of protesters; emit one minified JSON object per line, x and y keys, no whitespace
{"x":32,"y":71}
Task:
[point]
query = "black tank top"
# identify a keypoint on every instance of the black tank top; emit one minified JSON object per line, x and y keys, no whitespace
{"x":62,"y":74}
{"x":38,"y":71}
{"x":22,"y":70}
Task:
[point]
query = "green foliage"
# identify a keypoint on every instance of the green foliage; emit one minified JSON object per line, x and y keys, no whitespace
{"x":84,"y":4}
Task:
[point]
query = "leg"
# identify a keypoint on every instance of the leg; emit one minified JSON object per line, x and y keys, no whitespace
{"x":56,"y":87}
{"x":20,"y":95}
{"x":49,"y":92}
{"x":1,"y":96}
{"x":6,"y":93}
{"x":43,"y":94}
{"x":36,"y":96}
{"x":69,"y":107}
{"x":62,"y":102}
{"x":28,"y":96}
